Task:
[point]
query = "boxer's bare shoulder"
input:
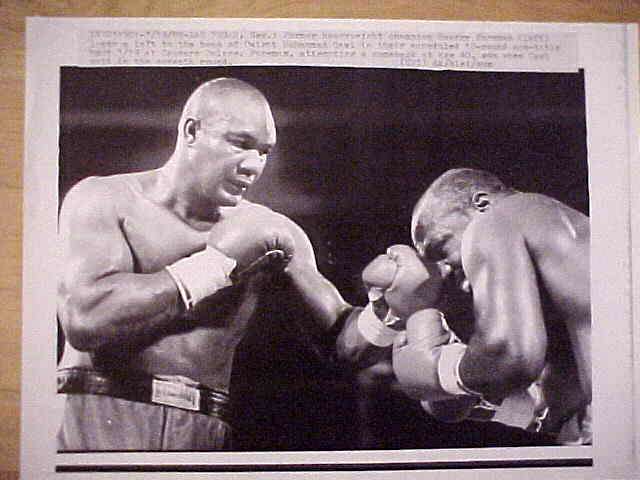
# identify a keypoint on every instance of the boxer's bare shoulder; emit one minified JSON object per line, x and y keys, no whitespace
{"x":542,"y":225}
{"x":543,"y":219}
{"x":530,"y":243}
{"x":89,"y":226}
{"x":493,"y":233}
{"x":100,"y":198}
{"x":91,"y":220}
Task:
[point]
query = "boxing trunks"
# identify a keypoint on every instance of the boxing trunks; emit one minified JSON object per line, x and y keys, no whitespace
{"x":106,"y":412}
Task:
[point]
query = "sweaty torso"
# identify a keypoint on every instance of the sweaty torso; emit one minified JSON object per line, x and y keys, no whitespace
{"x":557,"y":238}
{"x":200,"y":345}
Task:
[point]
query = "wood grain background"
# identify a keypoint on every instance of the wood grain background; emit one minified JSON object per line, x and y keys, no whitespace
{"x":12,"y":59}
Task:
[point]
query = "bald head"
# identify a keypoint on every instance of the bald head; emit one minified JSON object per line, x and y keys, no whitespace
{"x":453,"y":194}
{"x":218,"y":99}
{"x":225,"y":134}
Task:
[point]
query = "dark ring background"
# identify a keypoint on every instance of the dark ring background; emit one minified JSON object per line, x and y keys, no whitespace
{"x":356,"y":148}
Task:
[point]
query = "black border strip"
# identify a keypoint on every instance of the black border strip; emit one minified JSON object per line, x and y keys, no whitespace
{"x":332,"y":467}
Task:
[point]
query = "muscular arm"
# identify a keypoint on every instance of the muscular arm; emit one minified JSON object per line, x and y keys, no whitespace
{"x":508,"y":347}
{"x":335,"y":318}
{"x":101,"y":301}
{"x":326,"y":303}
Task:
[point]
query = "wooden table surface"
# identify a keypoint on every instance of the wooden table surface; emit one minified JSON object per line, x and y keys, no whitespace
{"x":12,"y":59}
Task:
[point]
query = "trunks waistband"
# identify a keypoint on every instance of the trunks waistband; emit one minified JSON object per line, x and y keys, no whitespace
{"x":178,"y":392}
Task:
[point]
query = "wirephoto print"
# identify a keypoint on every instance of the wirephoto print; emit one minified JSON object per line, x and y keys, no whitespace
{"x":329,"y":168}
{"x":391,"y":262}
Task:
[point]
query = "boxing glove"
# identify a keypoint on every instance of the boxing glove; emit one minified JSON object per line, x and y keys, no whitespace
{"x":237,"y":243}
{"x":378,"y":276}
{"x":416,"y":284}
{"x":377,"y":323}
{"x":249,"y":233}
{"x":416,"y":354}
{"x":398,"y":284}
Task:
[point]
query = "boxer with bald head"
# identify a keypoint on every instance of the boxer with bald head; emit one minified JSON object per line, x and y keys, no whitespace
{"x":164,"y":270}
{"x":524,"y":258}
{"x":155,"y":294}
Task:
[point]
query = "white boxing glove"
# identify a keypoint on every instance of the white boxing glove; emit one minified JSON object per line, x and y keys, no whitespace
{"x":236,"y":244}
{"x":416,"y":354}
{"x":398,"y":284}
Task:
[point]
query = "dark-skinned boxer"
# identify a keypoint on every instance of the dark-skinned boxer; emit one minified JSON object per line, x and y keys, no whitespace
{"x":524,"y":258}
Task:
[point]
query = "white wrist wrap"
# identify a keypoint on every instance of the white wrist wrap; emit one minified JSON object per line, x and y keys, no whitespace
{"x":375,"y":293}
{"x":372,"y":328}
{"x":448,"y":368}
{"x":453,"y":338}
{"x":517,"y":410}
{"x":201,"y":274}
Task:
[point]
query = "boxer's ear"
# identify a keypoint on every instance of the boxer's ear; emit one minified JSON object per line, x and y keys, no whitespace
{"x":481,"y":201}
{"x":190,"y":129}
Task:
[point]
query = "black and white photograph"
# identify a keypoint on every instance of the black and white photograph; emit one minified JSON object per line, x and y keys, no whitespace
{"x":280,"y":268}
{"x":261,"y":258}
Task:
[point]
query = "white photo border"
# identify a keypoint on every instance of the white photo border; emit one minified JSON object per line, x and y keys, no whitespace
{"x":608,"y":55}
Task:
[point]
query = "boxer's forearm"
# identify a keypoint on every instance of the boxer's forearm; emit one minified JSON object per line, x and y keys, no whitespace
{"x":353,"y":348}
{"x":497,"y":370}
{"x":333,"y":317}
{"x":320,"y":296}
{"x":118,"y":307}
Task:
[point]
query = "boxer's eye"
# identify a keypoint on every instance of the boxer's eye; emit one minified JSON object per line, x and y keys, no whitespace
{"x":244,"y":142}
{"x":248,"y":142}
{"x":242,"y":145}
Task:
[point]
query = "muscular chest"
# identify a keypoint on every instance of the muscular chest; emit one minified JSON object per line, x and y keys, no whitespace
{"x":157,"y":238}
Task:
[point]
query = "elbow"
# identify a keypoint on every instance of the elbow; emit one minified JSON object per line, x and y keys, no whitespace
{"x":79,"y":336}
{"x":79,"y":329}
{"x":519,"y":371}
{"x":516,"y":364}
